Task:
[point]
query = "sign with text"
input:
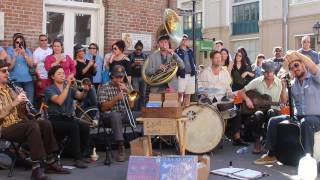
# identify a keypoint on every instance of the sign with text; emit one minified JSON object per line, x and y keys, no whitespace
{"x":132,"y":38}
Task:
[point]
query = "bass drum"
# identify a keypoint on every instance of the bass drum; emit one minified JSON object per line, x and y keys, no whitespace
{"x":205,"y":128}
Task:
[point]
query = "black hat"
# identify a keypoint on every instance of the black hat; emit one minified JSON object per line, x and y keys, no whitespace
{"x":164,"y":37}
{"x":268,"y":66}
{"x":118,"y":71}
{"x":78,"y":47}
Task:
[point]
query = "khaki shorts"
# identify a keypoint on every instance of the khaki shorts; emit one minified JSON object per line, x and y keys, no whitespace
{"x":186,"y":85}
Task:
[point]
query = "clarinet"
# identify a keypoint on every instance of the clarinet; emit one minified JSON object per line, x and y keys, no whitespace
{"x":32,"y":113}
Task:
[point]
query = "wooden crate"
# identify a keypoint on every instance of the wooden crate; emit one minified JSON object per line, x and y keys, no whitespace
{"x":139,"y":147}
{"x":159,"y":126}
{"x":161,"y":112}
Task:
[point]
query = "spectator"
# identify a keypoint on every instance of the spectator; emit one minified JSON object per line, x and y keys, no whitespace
{"x":277,"y":59}
{"x":84,"y":68}
{"x":226,"y":60}
{"x":306,"y":49}
{"x":39,"y":57}
{"x":256,"y":67}
{"x":137,"y":59}
{"x":244,"y":52}
{"x":20,"y":65}
{"x":93,"y":54}
{"x":58,"y":58}
{"x":219,"y":45}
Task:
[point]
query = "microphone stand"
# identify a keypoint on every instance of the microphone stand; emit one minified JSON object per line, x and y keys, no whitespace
{"x":287,"y":78}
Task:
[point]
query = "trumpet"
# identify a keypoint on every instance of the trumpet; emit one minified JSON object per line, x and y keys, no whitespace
{"x":132,"y":95}
{"x":76,"y":84}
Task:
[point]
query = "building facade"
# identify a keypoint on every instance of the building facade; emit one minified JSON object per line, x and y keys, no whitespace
{"x":258,"y":25}
{"x":82,"y":21}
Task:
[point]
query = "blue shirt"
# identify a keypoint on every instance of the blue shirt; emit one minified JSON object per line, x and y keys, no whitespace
{"x":311,"y":54}
{"x":54,"y":109}
{"x":99,"y":61}
{"x":20,"y":71}
{"x":1,"y":49}
{"x":307,"y":96}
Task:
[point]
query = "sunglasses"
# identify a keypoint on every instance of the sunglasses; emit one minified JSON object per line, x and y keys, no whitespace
{"x":18,"y":42}
{"x":92,"y":48}
{"x":4,"y":70}
{"x":43,"y":40}
{"x":295,"y":65}
{"x":114,"y":48}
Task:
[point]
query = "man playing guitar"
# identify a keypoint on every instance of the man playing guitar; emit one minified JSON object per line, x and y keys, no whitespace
{"x":267,"y":84}
{"x":219,"y":78}
{"x":305,"y":92}
{"x":37,"y":133}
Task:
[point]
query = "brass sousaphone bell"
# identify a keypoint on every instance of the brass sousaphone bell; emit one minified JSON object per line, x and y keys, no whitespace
{"x":172,"y":26}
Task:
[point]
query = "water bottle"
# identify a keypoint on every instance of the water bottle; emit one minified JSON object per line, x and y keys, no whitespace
{"x":242,"y":150}
{"x":307,"y":169}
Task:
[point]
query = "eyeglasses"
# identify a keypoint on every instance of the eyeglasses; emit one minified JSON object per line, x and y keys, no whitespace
{"x":4,"y":70}
{"x":92,"y":48}
{"x":17,"y":42}
{"x":43,"y":40}
{"x":295,"y":65}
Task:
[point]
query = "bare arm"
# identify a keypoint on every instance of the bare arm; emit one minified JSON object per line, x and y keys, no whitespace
{"x":59,"y":99}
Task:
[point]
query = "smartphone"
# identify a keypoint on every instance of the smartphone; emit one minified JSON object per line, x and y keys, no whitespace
{"x":93,"y":57}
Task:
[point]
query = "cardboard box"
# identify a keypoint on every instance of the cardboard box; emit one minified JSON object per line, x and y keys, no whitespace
{"x":203,"y":167}
{"x":171,"y":97}
{"x":159,"y":126}
{"x":170,"y":103}
{"x":161,"y":112}
{"x":155,"y":97}
{"x":139,"y":147}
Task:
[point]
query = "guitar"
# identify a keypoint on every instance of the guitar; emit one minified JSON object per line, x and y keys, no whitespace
{"x":260,"y":102}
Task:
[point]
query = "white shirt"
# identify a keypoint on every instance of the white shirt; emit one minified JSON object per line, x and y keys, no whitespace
{"x":39,"y":56}
{"x":221,"y":81}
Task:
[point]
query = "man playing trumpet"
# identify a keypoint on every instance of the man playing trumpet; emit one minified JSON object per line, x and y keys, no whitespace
{"x":38,"y":134}
{"x":59,"y":97}
{"x":113,"y":108}
{"x":158,"y":61}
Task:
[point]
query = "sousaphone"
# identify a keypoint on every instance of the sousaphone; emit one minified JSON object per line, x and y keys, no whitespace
{"x":172,"y":27}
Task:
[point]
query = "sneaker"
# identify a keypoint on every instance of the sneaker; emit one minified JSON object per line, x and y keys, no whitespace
{"x":265,"y":159}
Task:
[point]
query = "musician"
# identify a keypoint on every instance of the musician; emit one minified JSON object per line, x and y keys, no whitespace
{"x":158,"y":60}
{"x":186,"y":76}
{"x":59,"y":97}
{"x":15,"y":127}
{"x":305,"y":88}
{"x":219,"y":78}
{"x":113,"y":112}
{"x":267,"y":84}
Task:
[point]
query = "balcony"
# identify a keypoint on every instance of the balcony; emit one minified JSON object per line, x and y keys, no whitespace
{"x":246,"y":27}
{"x":197,"y":31}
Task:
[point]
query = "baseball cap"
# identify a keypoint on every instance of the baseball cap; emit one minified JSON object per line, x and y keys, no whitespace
{"x":185,"y":36}
{"x":164,"y":37}
{"x":118,"y":71}
{"x":268,"y":66}
{"x":78,"y":47}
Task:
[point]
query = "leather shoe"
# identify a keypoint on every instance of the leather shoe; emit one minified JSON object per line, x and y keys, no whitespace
{"x":38,"y":174}
{"x":239,"y":142}
{"x":54,"y":168}
{"x":80,"y":164}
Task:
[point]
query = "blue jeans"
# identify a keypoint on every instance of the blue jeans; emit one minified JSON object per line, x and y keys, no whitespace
{"x":28,"y":87}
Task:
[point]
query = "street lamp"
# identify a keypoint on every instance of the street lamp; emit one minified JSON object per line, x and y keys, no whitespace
{"x":316,"y":30}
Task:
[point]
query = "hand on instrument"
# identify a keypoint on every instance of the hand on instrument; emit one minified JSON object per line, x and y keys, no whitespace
{"x":163,"y":67}
{"x":123,"y":87}
{"x":170,"y":51}
{"x":70,"y":80}
{"x":119,"y":97}
{"x":249,"y":103}
{"x":22,"y":97}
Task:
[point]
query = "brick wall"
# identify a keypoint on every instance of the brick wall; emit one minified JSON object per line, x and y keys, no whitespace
{"x":24,"y":16}
{"x":135,"y":16}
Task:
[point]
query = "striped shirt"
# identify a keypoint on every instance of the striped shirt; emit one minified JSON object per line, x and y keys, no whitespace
{"x":106,"y":93}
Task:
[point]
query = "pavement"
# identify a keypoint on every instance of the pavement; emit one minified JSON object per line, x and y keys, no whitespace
{"x":117,"y":171}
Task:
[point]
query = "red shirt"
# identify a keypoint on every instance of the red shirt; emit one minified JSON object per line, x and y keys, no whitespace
{"x":67,"y":64}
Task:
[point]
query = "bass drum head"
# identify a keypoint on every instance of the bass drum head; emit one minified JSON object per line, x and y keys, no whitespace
{"x":205,"y":128}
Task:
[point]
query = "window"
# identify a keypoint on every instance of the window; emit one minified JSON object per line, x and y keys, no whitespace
{"x":187,"y":21}
{"x":86,"y":1}
{"x":251,"y":46}
{"x":245,"y":18}
{"x":301,"y":1}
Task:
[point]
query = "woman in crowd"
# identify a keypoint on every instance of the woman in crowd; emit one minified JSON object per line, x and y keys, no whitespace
{"x":245,"y":54}
{"x":20,"y":65}
{"x":58,"y":58}
{"x":256,"y":67}
{"x":241,"y":72}
{"x":226,"y":60}
{"x":119,"y":58}
{"x":92,"y":54}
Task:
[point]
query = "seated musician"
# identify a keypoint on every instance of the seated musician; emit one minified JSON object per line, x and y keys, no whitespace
{"x":113,"y":112}
{"x":158,"y":60}
{"x":37,"y":133}
{"x":306,"y":98}
{"x":59,"y":97}
{"x":219,"y":78}
{"x":267,"y":84}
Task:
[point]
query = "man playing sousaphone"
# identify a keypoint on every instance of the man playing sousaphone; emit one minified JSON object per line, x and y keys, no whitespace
{"x":159,"y":60}
{"x":267,"y":84}
{"x":218,"y":78}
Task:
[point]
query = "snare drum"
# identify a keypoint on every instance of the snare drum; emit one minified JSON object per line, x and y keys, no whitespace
{"x":205,"y":128}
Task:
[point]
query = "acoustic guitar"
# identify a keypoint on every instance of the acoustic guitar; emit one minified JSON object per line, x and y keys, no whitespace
{"x":260,"y":102}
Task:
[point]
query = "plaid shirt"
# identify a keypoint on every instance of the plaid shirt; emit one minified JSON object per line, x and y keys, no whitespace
{"x":106,"y":93}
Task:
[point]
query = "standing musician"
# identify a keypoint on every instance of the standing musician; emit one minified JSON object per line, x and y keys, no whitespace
{"x":157,"y":61}
{"x":59,"y":97}
{"x":113,"y":112}
{"x":267,"y":84}
{"x":15,"y":127}
{"x":219,"y":78}
{"x":305,"y":92}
